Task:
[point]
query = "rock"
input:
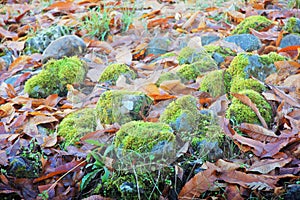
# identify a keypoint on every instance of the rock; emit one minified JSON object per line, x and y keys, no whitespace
{"x":239,"y":112}
{"x":216,"y":83}
{"x":120,"y":106}
{"x":112,"y":72}
{"x":292,"y":25}
{"x":256,"y":22}
{"x":247,"y":65}
{"x":55,"y":76}
{"x":247,"y":42}
{"x":290,"y":40}
{"x":40,"y":42}
{"x":209,"y":150}
{"x":158,"y":46}
{"x":76,"y":124}
{"x":6,"y":60}
{"x":69,"y":45}
{"x":22,"y":167}
{"x":207,"y":39}
{"x":292,"y":192}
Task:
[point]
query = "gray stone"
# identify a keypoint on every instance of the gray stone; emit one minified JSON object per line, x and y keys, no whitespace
{"x":69,"y":45}
{"x":211,"y":150}
{"x":247,"y":42}
{"x":290,"y":40}
{"x":207,"y":39}
{"x":158,"y":46}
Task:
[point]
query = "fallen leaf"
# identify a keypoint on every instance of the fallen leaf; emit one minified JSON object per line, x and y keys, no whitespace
{"x":199,"y":184}
{"x":267,"y":165}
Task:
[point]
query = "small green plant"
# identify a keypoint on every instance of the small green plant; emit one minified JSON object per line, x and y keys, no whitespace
{"x":96,"y":168}
{"x":97,"y":23}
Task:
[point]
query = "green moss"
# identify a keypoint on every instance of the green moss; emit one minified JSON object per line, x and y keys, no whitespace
{"x":167,"y":77}
{"x":113,"y":71}
{"x":238,"y":84}
{"x":238,"y":64}
{"x":188,"y":55}
{"x":216,"y":83}
{"x":256,"y":22}
{"x":76,"y":124}
{"x":122,"y":106}
{"x":272,"y":57}
{"x":169,"y":54}
{"x":239,"y":112}
{"x":292,"y":25}
{"x":176,"y":108}
{"x":244,"y":65}
{"x":55,"y":76}
{"x":188,"y":72}
{"x":141,"y":136}
{"x":224,"y":52}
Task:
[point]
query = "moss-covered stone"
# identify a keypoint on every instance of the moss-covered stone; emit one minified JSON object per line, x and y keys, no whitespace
{"x":142,"y":136}
{"x":167,"y":77}
{"x":76,"y":124}
{"x":256,"y":22}
{"x":216,"y":83}
{"x":223,"y":51}
{"x":188,"y":72}
{"x":122,"y":106}
{"x":43,"y":38}
{"x":292,"y":25}
{"x":238,"y":84}
{"x":55,"y":76}
{"x":246,"y":65}
{"x":239,"y":112}
{"x":188,"y":55}
{"x":113,"y":71}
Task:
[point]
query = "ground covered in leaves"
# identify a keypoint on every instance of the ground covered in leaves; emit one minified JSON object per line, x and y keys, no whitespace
{"x":203,"y":58}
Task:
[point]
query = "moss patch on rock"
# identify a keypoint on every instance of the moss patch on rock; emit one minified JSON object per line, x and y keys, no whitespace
{"x":292,"y":25}
{"x":122,"y":106}
{"x":142,"y":136}
{"x":76,"y":124}
{"x":216,"y":83}
{"x":167,"y":77}
{"x":223,"y":51}
{"x":246,"y":65}
{"x":239,"y":112}
{"x":238,"y":84}
{"x":55,"y":76}
{"x":113,"y":71}
{"x":255,"y":22}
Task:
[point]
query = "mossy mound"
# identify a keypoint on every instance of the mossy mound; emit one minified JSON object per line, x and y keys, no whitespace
{"x":76,"y":124}
{"x":216,"y":83}
{"x":240,"y":113}
{"x":113,"y":71}
{"x":39,"y":43}
{"x":246,"y":65}
{"x":255,"y":22}
{"x":55,"y":76}
{"x":238,"y":84}
{"x":167,"y":77}
{"x":223,"y":51}
{"x":122,"y":106}
{"x":292,"y":25}
{"x":142,"y":136}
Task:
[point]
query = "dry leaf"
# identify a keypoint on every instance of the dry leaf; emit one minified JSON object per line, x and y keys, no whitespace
{"x":267,"y":165}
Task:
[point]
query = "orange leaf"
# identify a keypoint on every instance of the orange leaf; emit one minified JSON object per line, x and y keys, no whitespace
{"x":200,"y":183}
{"x":292,"y":51}
{"x":258,"y":133}
{"x":62,"y":6}
{"x":6,"y":109}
